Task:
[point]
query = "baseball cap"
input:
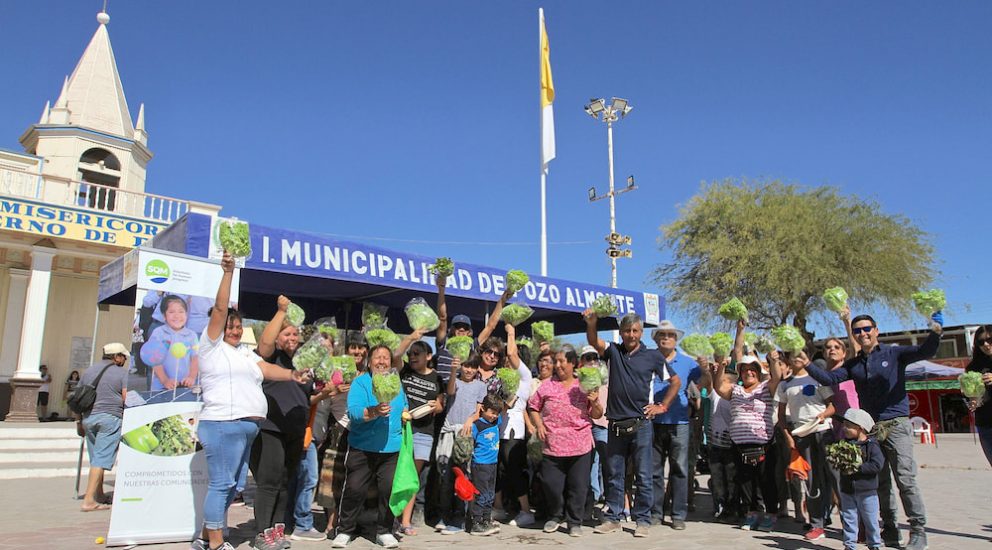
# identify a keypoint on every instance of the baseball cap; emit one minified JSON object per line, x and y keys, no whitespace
{"x":114,"y":348}
{"x":860,"y":417}
{"x":587,"y":350}
{"x":461,"y":320}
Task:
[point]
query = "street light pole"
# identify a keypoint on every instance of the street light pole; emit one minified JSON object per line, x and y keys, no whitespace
{"x":617,"y":109}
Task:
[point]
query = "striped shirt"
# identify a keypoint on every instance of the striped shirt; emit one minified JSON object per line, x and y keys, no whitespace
{"x":751,"y":415}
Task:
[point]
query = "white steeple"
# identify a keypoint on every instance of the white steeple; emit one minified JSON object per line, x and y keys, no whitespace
{"x":94,"y":95}
{"x":139,"y":128}
{"x":44,"y":114}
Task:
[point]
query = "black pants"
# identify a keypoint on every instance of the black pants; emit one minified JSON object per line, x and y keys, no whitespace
{"x":511,"y":473}
{"x":484,"y":479}
{"x":757,"y":484}
{"x":569,"y":477}
{"x":361,"y":469}
{"x":723,"y":470}
{"x":275,"y":458}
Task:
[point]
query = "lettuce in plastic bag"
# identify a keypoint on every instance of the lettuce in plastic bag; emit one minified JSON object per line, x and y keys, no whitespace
{"x":421,"y":316}
{"x":697,"y":345}
{"x":442,"y":267}
{"x":234,"y":238}
{"x":516,"y":280}
{"x":733,"y":310}
{"x":382,"y":337}
{"x":386,"y":386}
{"x":788,"y":338}
{"x":835,"y":298}
{"x":930,"y":301}
{"x":310,"y":355}
{"x":971,"y":384}
{"x":722,"y":343}
{"x":373,"y":315}
{"x":590,"y":378}
{"x":543,"y":331}
{"x":510,"y":379}
{"x":295,"y":315}
{"x":459,"y":346}
{"x":604,"y":306}
{"x":516,"y":313}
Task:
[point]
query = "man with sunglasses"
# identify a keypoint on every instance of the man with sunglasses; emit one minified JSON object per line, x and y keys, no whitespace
{"x":879,"y":375}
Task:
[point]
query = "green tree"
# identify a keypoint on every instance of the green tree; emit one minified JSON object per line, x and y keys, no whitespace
{"x":778,"y":246}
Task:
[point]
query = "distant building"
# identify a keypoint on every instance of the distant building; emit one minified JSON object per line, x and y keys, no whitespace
{"x":73,"y":200}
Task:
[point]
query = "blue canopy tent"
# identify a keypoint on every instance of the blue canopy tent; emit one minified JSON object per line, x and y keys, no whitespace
{"x":330,"y":277}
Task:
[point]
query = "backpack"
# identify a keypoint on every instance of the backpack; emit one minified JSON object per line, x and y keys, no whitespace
{"x":84,"y":396}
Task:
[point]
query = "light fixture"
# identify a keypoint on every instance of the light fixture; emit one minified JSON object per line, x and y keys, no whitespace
{"x":618,"y":104}
{"x":595,"y":107}
{"x":630,"y":182}
{"x":592,"y":194}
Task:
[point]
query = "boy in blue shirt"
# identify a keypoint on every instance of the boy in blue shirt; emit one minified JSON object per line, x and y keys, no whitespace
{"x":485,"y":434}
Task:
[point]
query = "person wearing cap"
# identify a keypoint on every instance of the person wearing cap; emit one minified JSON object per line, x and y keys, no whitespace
{"x":629,"y":410}
{"x":879,"y":374}
{"x":859,"y":489}
{"x":671,"y":429}
{"x":102,"y":424}
{"x":589,"y":357}
{"x":751,"y":430}
{"x":461,"y":325}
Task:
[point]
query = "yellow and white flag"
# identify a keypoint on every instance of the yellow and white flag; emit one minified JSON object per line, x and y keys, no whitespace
{"x":547,"y":98}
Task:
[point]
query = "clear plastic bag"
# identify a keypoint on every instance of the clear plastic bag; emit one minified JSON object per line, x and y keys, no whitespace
{"x":386,"y":386}
{"x":295,"y":315}
{"x":327,"y":328}
{"x":374,"y":315}
{"x":421,"y":316}
{"x":234,"y":237}
{"x":311,"y":354}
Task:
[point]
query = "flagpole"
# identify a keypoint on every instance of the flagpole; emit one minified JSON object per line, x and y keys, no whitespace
{"x":544,"y":174}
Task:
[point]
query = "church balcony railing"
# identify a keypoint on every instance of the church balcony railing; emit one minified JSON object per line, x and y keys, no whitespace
{"x":90,"y":196}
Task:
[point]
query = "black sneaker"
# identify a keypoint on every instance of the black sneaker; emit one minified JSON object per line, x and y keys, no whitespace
{"x":678,"y":524}
{"x":890,"y":537}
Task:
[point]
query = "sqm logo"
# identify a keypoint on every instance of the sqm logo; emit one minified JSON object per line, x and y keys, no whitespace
{"x":158,"y":271}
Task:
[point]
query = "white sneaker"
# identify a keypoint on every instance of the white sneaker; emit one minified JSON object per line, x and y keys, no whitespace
{"x":341,"y":541}
{"x":387,"y":540}
{"x":523,"y":519}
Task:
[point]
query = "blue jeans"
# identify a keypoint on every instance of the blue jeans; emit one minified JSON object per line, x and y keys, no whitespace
{"x":637,"y":446}
{"x":599,"y":438}
{"x":227,"y":445}
{"x":863,"y":506}
{"x":301,"y":490}
{"x":671,"y":444}
{"x":985,"y":436}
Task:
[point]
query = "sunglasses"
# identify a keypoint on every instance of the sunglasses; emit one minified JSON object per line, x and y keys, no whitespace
{"x":491,"y":351}
{"x":860,"y":330}
{"x":982,"y":341}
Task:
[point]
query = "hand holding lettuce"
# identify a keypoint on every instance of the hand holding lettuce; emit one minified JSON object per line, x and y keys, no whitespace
{"x":515,"y":314}
{"x":234,"y":237}
{"x":788,"y":339}
{"x":697,"y":345}
{"x":733,"y":310}
{"x":835,"y":298}
{"x":421,"y":316}
{"x":386,"y":386}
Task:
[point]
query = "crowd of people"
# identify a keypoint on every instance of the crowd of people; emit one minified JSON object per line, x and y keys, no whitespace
{"x":554,"y":451}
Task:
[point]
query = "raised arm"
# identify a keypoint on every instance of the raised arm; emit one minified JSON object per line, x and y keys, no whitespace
{"x":774,"y":371}
{"x":218,"y":313}
{"x":720,"y":385}
{"x":926,"y":350}
{"x":592,"y":336}
{"x":277,"y":373}
{"x":511,"y":345}
{"x":442,"y":314}
{"x":828,"y":377}
{"x":405,"y":344}
{"x":267,"y":343}
{"x":494,"y":316}
{"x":853,"y":347}
{"x":738,"y":351}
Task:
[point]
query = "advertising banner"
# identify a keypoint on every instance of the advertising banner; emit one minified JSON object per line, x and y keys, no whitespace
{"x":161,"y":469}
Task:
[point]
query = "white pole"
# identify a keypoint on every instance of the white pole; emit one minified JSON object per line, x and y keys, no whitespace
{"x":544,"y":174}
{"x":612,"y":195}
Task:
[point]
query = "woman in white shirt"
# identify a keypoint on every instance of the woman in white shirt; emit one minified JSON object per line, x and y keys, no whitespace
{"x":233,"y":405}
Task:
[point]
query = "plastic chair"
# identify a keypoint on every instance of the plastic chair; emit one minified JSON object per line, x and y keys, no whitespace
{"x":922,"y":428}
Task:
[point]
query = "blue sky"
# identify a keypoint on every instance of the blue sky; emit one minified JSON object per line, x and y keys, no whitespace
{"x":418,"y":121}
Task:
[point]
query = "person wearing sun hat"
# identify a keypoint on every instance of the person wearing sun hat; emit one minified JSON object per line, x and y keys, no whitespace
{"x":671,"y":428}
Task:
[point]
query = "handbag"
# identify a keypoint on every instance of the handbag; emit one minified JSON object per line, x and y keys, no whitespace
{"x":752,"y":454}
{"x":84,"y":396}
{"x":623,"y":428}
{"x":406,"y":480}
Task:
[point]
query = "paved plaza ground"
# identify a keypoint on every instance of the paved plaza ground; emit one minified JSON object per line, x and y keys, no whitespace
{"x":955,"y":479}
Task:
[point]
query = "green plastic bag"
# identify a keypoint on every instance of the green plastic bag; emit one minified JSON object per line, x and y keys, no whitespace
{"x":406,"y":481}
